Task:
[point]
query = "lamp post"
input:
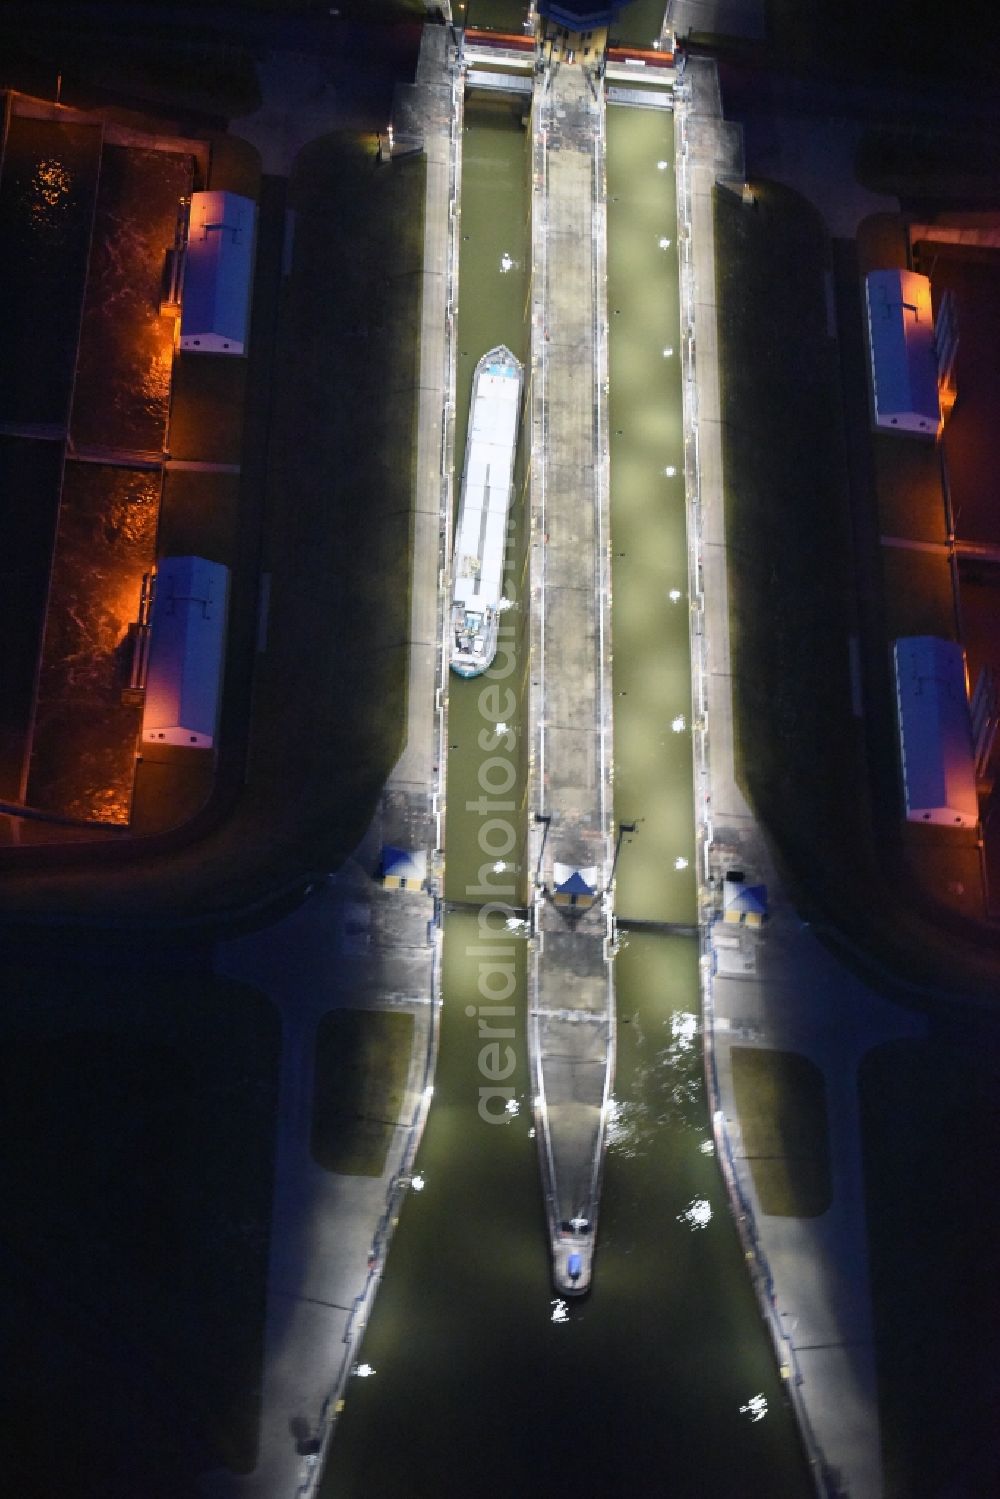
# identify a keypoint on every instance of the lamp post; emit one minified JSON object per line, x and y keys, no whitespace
{"x":623,"y":828}
{"x":546,"y":818}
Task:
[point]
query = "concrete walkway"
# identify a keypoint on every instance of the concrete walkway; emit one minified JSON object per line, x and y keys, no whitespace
{"x":354,"y":944}
{"x":782,"y":988}
{"x":571,"y":1031}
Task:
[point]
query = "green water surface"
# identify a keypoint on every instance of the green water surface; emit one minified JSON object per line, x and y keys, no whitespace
{"x":650,"y":610}
{"x":492,"y":309}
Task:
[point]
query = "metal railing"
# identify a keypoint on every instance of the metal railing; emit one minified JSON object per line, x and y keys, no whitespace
{"x":400,"y":1180}
{"x":396,"y":1190}
{"x":824,"y":1477}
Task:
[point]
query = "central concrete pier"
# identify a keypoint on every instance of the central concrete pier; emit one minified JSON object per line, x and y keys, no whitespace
{"x":571,"y":996}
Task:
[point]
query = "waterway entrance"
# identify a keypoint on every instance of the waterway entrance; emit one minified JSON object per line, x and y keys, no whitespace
{"x":662,"y":1381}
{"x":646,"y":1388}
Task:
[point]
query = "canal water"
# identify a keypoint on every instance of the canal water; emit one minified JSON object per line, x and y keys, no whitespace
{"x":650,"y":618}
{"x":84,"y":237}
{"x":492,"y":15}
{"x":494,"y":277}
{"x":640,"y":1391}
{"x":662,"y":1381}
{"x":126,"y":348}
{"x":639,"y":23}
{"x":83,"y":748}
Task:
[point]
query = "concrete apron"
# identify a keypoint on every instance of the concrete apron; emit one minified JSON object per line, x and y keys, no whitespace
{"x":571,"y":1029}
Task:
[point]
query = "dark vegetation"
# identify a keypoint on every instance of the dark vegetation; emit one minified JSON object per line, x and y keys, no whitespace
{"x":931,"y":1131}
{"x":922,"y":163}
{"x":781,"y":1098}
{"x":348,"y":10}
{"x":138,"y":1106}
{"x":896,"y":41}
{"x":362,"y":1061}
{"x":896,"y":38}
{"x":798,"y":752}
{"x":185,"y":58}
{"x":329,"y":710}
{"x":158,"y":63}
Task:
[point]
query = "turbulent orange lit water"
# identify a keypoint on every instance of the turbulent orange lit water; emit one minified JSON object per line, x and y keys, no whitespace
{"x":84,"y":738}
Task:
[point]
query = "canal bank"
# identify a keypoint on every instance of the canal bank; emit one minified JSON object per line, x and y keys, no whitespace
{"x":660,"y":1379}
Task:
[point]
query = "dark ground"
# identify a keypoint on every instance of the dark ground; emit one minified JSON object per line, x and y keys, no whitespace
{"x":931,"y":1130}
{"x":138,"y":1105}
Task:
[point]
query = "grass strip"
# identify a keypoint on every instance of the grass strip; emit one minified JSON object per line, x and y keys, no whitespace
{"x":362,"y":1063}
{"x":781,"y":1099}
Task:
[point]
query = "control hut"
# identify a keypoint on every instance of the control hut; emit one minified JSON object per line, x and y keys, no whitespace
{"x":935,"y":732}
{"x":218,"y":274}
{"x":186,"y":653}
{"x":903,"y":358}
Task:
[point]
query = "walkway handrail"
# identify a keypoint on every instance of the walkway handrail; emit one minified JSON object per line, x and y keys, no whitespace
{"x":395,"y":1191}
{"x":824,"y":1477}
{"x":401,"y":1177}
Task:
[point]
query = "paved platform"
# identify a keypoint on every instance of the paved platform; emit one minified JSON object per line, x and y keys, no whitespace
{"x":356,"y":945}
{"x":571,"y":1034}
{"x":780,"y":988}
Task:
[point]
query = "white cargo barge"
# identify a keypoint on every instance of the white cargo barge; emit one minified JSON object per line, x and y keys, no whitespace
{"x":481,"y":536}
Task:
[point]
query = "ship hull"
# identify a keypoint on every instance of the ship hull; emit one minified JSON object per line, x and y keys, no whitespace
{"x":484,"y":510}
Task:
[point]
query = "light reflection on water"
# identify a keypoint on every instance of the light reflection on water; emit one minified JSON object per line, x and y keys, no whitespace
{"x":128,"y":516}
{"x":47,"y":183}
{"x":83,"y":751}
{"x":697,"y":1214}
{"x":755,"y":1408}
{"x":49,"y":198}
{"x":126,"y":347}
{"x":667,"y":1085}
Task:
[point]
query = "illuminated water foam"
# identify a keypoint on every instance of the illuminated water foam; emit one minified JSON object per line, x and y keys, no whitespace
{"x":697,"y":1214}
{"x":755,"y":1408}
